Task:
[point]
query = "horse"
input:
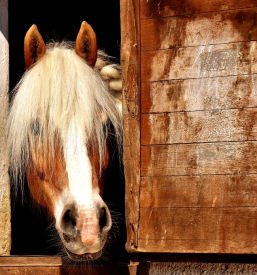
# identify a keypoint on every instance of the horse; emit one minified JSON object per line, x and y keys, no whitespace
{"x":58,"y":131}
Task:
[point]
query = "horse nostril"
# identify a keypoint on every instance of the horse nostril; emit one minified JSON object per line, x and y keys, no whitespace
{"x":66,"y":238}
{"x":69,"y":218}
{"x":68,"y":225}
{"x":103,"y":218}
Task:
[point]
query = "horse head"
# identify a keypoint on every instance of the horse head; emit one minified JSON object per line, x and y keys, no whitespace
{"x":64,"y":137}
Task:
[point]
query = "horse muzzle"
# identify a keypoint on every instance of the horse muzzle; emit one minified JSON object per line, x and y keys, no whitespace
{"x":83,"y":230}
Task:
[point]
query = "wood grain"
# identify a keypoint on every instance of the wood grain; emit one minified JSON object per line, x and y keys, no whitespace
{"x":198,"y":159}
{"x":164,"y":8}
{"x":200,"y":126}
{"x":220,"y":248}
{"x":199,"y":191}
{"x":30,"y":261}
{"x":212,"y":230}
{"x":199,"y":62}
{"x":130,"y":64}
{"x":78,"y":270}
{"x":200,"y":29}
{"x":200,"y":94}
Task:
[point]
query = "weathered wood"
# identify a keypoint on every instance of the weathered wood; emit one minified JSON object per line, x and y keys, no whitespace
{"x":5,"y":203}
{"x":212,"y":230}
{"x":198,"y":62}
{"x":200,"y":126}
{"x":130,"y":63}
{"x":197,"y":159}
{"x":30,"y":261}
{"x":198,"y":195}
{"x":65,"y":270}
{"x":164,"y":8}
{"x":133,"y":269}
{"x":200,"y":94}
{"x":199,"y":29}
{"x":199,"y":191}
{"x":193,"y":257}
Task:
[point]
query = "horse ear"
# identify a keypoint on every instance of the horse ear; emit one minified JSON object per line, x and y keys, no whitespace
{"x":86,"y":44}
{"x":34,"y":46}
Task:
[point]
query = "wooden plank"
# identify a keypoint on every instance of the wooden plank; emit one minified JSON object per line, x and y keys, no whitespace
{"x":200,"y":126}
{"x":66,"y":270}
{"x":5,"y":189}
{"x":200,"y":29}
{"x":199,"y":62}
{"x":205,"y":191}
{"x":197,"y":246}
{"x":130,"y":64}
{"x":30,"y":261}
{"x":199,"y":159}
{"x":192,"y":257}
{"x":164,"y":8}
{"x":200,"y":94}
{"x":198,"y":230}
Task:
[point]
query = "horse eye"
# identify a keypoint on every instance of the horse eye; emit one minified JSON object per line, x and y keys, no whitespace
{"x":35,"y":127}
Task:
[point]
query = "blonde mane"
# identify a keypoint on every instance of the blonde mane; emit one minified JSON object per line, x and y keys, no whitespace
{"x":59,"y":91}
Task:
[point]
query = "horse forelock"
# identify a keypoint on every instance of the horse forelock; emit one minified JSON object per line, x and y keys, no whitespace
{"x":59,"y":91}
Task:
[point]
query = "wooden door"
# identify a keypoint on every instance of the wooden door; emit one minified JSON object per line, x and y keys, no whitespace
{"x":190,"y":125}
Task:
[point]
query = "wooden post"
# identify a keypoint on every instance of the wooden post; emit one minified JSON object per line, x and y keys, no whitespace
{"x":130,"y":64}
{"x":5,"y":211}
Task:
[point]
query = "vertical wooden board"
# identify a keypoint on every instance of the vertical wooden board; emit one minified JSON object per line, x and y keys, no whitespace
{"x":199,"y":62}
{"x":130,"y":63}
{"x":199,"y":94}
{"x":165,"y":8}
{"x":5,"y":203}
{"x":199,"y":191}
{"x":199,"y":230}
{"x":199,"y":159}
{"x":200,"y":126}
{"x":199,"y":29}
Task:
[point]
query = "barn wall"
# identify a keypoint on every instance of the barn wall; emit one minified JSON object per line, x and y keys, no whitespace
{"x":5,"y":226}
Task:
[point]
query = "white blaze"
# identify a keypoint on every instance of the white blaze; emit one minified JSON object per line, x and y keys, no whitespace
{"x":78,"y":167}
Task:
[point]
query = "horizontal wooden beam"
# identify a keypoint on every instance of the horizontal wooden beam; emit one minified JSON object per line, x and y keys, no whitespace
{"x":199,"y":126}
{"x":199,"y":159}
{"x":194,"y":257}
{"x":45,"y":265}
{"x":164,"y":8}
{"x":199,"y":191}
{"x":200,"y":94}
{"x":201,"y":29}
{"x":193,"y":230}
{"x":199,"y":62}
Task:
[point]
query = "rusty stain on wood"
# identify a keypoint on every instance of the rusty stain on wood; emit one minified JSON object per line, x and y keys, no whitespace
{"x":200,"y":94}
{"x":198,"y":159}
{"x":165,"y":8}
{"x":184,"y":63}
{"x":199,"y":29}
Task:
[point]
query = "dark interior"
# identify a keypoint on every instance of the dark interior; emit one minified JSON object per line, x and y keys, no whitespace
{"x":31,"y":230}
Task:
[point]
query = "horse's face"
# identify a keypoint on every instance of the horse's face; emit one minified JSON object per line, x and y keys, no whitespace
{"x":71,"y":189}
{"x":69,"y":183}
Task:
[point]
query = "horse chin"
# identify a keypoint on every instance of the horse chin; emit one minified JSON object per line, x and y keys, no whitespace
{"x":83,"y":257}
